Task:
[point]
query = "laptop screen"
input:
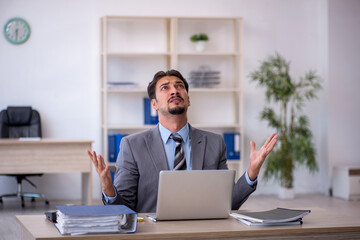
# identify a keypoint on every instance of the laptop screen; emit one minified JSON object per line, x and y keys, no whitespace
{"x":197,"y":194}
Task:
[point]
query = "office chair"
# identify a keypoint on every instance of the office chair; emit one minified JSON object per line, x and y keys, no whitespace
{"x":16,"y":122}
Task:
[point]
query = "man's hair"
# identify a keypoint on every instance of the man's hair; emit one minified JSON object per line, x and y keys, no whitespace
{"x":161,"y":74}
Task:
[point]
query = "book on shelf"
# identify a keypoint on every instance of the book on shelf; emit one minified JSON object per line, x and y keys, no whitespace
{"x":150,"y":114}
{"x":114,"y":146}
{"x":274,"y":217}
{"x":111,"y":148}
{"x":78,"y":220}
{"x":112,"y":174}
{"x":232,"y":142}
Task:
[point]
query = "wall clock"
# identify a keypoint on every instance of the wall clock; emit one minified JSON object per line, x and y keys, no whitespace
{"x":17,"y":31}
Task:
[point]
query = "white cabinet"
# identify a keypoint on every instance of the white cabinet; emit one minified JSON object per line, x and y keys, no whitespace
{"x":346,"y":182}
{"x":133,"y":49}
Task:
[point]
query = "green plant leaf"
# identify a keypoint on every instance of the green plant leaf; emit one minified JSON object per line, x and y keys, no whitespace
{"x":199,"y":37}
{"x":295,"y":146}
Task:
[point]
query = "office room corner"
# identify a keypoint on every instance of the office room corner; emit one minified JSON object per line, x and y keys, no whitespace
{"x":275,"y":82}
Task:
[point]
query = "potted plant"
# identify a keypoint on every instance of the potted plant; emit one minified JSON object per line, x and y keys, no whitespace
{"x":295,"y":146}
{"x":200,"y":40}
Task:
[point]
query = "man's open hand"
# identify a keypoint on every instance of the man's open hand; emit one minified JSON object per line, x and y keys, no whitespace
{"x":104,"y":173}
{"x":257,"y":158}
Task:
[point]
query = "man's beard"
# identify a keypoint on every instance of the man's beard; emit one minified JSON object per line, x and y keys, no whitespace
{"x":177,"y":110}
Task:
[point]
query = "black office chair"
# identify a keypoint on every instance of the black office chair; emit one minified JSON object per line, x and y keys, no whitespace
{"x":16,"y":122}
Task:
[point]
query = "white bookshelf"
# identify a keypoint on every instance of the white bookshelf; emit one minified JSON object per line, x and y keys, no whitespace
{"x":133,"y":49}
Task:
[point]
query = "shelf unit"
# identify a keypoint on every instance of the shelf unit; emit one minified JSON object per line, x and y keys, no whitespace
{"x":135,"y":48}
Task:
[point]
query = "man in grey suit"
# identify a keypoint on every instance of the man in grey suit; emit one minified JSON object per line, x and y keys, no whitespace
{"x":143,"y":155}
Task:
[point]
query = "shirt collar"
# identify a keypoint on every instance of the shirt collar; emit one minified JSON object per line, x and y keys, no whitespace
{"x":165,"y":133}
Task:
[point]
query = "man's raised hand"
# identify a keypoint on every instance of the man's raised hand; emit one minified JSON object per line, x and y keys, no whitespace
{"x":104,"y":173}
{"x":257,"y":158}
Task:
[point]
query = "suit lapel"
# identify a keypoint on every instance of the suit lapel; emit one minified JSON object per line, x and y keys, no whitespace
{"x":198,"y":143}
{"x":156,"y":149}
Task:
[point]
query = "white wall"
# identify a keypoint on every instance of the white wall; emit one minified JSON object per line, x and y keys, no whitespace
{"x":58,"y":72}
{"x":296,"y":30}
{"x":344,"y":78}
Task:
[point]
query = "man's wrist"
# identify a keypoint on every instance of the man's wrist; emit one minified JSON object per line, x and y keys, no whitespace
{"x":252,"y":175}
{"x":248,"y":180}
{"x":110,"y":199}
{"x":109,"y":191}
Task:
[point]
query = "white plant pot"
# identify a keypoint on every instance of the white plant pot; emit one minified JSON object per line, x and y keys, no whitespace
{"x":200,"y":46}
{"x":286,"y":193}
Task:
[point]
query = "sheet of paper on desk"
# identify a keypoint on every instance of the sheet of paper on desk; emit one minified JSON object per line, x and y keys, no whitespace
{"x":76,"y":220}
{"x":29,"y":139}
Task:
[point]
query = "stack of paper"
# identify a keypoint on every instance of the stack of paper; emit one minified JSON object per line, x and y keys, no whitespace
{"x":121,"y":84}
{"x":76,"y":220}
{"x":278,"y":216}
{"x":204,"y":77}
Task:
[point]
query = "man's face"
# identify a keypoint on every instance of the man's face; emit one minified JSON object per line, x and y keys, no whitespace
{"x":171,"y":96}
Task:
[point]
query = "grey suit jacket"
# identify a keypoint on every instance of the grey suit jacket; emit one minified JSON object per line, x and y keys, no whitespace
{"x":142,"y":157}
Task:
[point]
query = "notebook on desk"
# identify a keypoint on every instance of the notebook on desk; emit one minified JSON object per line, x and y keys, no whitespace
{"x":197,"y":194}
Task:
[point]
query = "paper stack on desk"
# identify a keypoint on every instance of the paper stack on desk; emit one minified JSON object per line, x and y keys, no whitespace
{"x":76,"y":220}
{"x":278,"y":216}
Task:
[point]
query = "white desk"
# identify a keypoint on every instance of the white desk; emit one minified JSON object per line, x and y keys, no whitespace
{"x":48,"y":156}
{"x":319,"y":224}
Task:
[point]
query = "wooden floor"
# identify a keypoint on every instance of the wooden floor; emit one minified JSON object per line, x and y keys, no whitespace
{"x":10,"y":229}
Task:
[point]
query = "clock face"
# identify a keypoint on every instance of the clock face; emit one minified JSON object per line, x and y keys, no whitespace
{"x":17,"y":30}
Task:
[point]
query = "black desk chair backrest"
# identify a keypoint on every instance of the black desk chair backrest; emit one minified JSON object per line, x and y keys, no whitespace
{"x":17,"y":122}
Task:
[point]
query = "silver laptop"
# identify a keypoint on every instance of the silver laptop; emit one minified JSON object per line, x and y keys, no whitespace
{"x":196,"y":194}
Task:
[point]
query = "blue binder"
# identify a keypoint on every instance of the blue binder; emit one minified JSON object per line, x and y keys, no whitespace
{"x":114,"y":146}
{"x":77,"y":220}
{"x":95,"y":210}
{"x":232,"y":141}
{"x":150,"y":115}
{"x":118,"y":138}
{"x":112,"y":176}
{"x":111,"y":148}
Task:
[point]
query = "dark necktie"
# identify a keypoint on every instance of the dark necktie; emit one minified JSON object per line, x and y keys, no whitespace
{"x":179,"y":161}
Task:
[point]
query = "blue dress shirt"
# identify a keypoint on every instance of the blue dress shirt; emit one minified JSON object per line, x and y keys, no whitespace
{"x":170,"y":145}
